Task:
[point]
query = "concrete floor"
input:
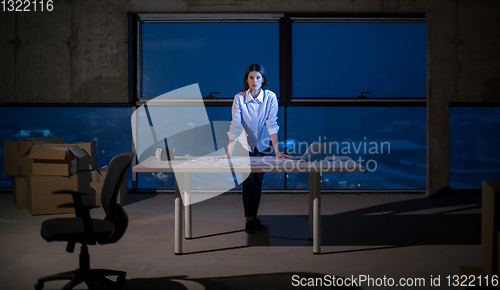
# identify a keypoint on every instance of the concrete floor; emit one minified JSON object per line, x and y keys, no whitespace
{"x":380,"y":235}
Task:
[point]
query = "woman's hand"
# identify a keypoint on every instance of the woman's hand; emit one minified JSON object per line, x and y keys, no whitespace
{"x":281,"y":155}
{"x":225,"y":156}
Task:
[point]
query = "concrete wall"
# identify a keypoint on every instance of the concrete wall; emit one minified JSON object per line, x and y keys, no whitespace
{"x":78,"y":53}
{"x":463,"y":66}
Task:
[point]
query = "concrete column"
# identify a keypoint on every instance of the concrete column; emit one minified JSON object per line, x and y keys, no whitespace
{"x":442,"y":77}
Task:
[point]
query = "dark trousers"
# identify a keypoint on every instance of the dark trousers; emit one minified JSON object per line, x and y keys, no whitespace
{"x":252,"y":187}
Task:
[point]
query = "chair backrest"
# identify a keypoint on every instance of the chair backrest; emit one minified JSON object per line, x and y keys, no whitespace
{"x":117,"y":170}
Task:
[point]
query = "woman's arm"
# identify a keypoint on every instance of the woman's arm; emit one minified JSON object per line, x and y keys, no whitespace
{"x":236,"y":126}
{"x":230,"y":147}
{"x":274,"y":140}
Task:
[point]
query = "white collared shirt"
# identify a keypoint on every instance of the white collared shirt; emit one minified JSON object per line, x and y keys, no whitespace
{"x":257,"y":116}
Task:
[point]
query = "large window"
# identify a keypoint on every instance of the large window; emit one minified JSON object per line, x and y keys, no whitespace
{"x":214,"y":55}
{"x":343,"y":59}
{"x":388,"y":141}
{"x":474,"y":143}
{"x":108,"y":126}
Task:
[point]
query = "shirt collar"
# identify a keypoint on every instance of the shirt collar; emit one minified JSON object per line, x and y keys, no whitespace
{"x":259,"y":99}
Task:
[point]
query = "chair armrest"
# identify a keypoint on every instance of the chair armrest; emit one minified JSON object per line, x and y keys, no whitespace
{"x":77,"y":196}
{"x":83,"y":211}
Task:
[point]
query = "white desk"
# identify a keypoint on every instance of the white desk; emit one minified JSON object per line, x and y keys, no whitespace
{"x":340,"y":164}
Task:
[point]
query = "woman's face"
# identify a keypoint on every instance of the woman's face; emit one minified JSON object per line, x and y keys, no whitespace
{"x":255,"y":80}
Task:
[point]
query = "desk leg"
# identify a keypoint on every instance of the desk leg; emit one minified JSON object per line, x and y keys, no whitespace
{"x":311,"y":190}
{"x":178,"y":221}
{"x":316,"y":193}
{"x":187,"y":207}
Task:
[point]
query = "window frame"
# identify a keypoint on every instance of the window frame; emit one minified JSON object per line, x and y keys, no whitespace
{"x":285,"y":21}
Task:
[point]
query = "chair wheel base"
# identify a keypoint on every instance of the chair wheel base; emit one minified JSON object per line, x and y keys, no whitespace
{"x":120,"y":279}
{"x":91,"y":277}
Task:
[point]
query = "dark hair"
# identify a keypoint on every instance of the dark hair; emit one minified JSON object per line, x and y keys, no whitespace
{"x":259,"y":69}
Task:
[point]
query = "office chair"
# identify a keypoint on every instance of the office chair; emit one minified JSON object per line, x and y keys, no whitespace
{"x":88,"y":231}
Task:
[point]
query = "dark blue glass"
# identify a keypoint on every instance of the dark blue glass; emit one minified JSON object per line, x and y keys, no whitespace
{"x":214,"y":55}
{"x":391,"y":142}
{"x":215,"y":114}
{"x":110,"y":127}
{"x":343,"y":59}
{"x":474,"y":144}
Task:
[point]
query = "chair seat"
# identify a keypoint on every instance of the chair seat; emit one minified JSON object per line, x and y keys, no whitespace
{"x":71,"y":229}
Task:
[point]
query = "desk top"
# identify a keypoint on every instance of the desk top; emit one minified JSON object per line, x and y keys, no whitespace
{"x":248,"y":164}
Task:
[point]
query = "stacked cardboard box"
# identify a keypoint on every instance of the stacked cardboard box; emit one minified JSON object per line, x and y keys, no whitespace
{"x":88,"y":165}
{"x":41,"y":166}
{"x":18,"y":164}
{"x":87,"y":162}
{"x":490,"y":227}
{"x":490,"y":240}
{"x":56,"y":167}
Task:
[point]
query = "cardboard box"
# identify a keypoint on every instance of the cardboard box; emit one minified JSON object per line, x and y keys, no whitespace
{"x":471,"y":273}
{"x":42,"y":201}
{"x":20,"y":191}
{"x":498,"y":255}
{"x":16,"y":154}
{"x":97,"y":182}
{"x":89,"y":162}
{"x":490,"y":226}
{"x":54,"y":160}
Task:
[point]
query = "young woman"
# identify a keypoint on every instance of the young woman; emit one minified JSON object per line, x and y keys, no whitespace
{"x":255,"y":110}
